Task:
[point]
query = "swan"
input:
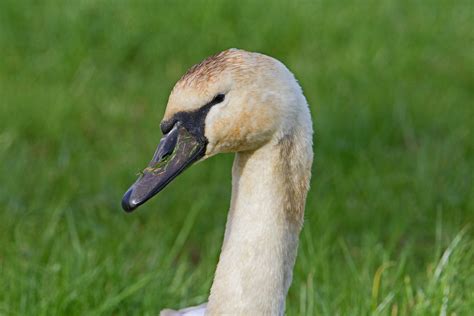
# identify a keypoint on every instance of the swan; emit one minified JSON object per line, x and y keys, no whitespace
{"x":250,"y":104}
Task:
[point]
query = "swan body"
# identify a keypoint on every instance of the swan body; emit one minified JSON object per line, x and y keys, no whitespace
{"x":250,"y":104}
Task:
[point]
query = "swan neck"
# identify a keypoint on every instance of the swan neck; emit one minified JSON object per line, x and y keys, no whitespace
{"x":269,"y":187}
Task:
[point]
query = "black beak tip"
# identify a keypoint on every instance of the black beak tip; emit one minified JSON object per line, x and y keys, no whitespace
{"x":128,"y":204}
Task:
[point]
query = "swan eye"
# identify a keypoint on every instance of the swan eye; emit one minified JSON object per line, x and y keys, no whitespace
{"x":218,"y":98}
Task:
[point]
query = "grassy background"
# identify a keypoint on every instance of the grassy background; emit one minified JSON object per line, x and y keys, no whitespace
{"x":83,"y":85}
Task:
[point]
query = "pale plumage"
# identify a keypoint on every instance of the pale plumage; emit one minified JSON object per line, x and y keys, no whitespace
{"x":264,"y":118}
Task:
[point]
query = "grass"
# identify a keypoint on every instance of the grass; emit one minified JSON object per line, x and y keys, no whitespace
{"x":83,"y":86}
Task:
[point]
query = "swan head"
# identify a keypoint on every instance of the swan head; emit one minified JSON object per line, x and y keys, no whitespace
{"x":234,"y":101}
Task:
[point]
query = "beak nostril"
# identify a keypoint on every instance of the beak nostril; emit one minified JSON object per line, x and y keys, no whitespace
{"x":165,"y":155}
{"x":167,"y":145}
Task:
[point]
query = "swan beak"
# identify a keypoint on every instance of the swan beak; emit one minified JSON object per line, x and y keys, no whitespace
{"x":177,"y":150}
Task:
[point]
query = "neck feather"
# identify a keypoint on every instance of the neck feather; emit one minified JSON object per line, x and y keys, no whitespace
{"x":269,"y":187}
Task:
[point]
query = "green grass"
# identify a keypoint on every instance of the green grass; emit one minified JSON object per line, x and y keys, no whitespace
{"x":83,"y":85}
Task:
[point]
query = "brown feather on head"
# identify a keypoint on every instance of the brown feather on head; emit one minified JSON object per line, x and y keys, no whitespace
{"x":207,"y":71}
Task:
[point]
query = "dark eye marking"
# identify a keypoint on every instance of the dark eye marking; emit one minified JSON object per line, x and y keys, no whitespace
{"x":167,"y":126}
{"x":191,"y":119}
{"x":218,"y":98}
